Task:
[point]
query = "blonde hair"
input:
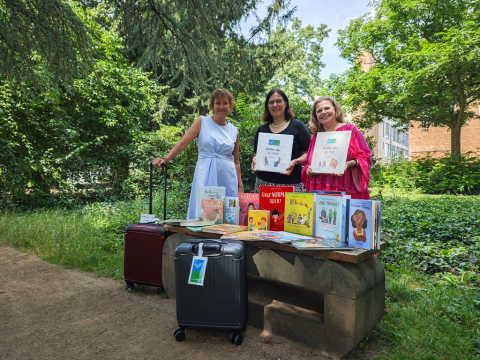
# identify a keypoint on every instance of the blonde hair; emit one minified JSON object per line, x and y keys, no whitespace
{"x":315,"y":126}
{"x":218,"y":93}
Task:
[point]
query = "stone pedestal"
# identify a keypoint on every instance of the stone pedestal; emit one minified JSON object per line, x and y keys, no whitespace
{"x":325,"y":304}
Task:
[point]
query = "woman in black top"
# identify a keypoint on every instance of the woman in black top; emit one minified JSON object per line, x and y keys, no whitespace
{"x":279,"y":120}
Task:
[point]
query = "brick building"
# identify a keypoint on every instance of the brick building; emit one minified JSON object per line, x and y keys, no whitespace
{"x":437,"y":140}
{"x":417,"y":141}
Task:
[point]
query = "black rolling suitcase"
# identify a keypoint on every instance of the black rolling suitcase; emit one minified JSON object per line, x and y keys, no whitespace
{"x":221,"y":303}
{"x":143,"y":249}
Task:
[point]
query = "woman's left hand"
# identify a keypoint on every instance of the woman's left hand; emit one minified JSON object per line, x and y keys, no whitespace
{"x":290,"y":167}
{"x":240,"y":188}
{"x":348,"y":164}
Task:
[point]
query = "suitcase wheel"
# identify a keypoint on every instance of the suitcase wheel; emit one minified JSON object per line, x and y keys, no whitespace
{"x":179,"y":335}
{"x":130,"y":286}
{"x":160,"y":290}
{"x":236,"y":338}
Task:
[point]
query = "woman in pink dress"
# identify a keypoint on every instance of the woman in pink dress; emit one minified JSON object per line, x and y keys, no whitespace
{"x":327,"y":115}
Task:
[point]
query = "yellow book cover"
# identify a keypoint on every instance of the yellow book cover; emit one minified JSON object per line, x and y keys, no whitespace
{"x":299,"y":213}
{"x":258,"y":220}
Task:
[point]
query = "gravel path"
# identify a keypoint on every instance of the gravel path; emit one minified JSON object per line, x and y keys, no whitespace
{"x":48,"y":312}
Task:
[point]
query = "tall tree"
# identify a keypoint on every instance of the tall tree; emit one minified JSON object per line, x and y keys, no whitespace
{"x":299,"y":71}
{"x":426,"y":63}
{"x":187,"y":43}
{"x":42,"y":39}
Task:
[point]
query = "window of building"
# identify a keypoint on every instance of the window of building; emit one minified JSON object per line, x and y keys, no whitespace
{"x":387,"y":151}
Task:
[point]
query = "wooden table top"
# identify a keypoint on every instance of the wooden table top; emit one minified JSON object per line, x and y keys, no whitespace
{"x":356,"y":255}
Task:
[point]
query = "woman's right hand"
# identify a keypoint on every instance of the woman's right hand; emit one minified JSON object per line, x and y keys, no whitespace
{"x":159,"y":162}
{"x":309,"y":171}
{"x":254,"y":162}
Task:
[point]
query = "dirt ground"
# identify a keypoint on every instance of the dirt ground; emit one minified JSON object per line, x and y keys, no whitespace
{"x":48,"y":312}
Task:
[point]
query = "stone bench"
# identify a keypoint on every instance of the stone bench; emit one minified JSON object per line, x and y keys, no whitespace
{"x":325,"y":304}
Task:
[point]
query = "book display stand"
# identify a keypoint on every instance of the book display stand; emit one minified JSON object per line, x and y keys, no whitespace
{"x":327,"y":300}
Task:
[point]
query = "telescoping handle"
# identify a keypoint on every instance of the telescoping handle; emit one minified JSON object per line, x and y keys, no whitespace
{"x":164,"y":192}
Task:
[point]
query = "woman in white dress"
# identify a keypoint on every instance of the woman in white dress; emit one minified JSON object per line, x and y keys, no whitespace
{"x":218,"y":142}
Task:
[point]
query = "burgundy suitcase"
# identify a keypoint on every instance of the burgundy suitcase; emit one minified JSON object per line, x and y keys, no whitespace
{"x":143,"y":249}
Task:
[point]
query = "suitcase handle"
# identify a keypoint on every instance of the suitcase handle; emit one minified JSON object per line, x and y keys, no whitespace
{"x":216,"y":247}
{"x":207,"y":241}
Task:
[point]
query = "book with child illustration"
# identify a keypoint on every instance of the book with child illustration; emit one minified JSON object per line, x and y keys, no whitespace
{"x":208,"y":192}
{"x":258,"y":220}
{"x":272,"y":198}
{"x":274,"y":152}
{"x":330,"y":152}
{"x":224,"y":228}
{"x":247,"y":202}
{"x":360,"y":226}
{"x":300,"y":213}
{"x":231,"y":210}
{"x":212,"y":209}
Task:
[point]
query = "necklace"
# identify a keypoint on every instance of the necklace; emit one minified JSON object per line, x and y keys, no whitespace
{"x":277,"y":126}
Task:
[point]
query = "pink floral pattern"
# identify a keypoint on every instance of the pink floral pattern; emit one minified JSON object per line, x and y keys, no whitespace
{"x":355,"y":180}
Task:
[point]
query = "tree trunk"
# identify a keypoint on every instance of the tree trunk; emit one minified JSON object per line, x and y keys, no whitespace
{"x":455,"y":134}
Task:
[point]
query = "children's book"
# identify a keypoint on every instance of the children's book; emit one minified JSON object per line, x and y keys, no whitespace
{"x":224,"y":228}
{"x":244,"y":236}
{"x":379,"y":223}
{"x":324,"y":192}
{"x":208,"y":192}
{"x":274,"y":152}
{"x":334,"y":227}
{"x":258,"y":220}
{"x":231,"y":210}
{"x":330,"y":152}
{"x":300,"y":213}
{"x":328,"y":217}
{"x":260,"y":235}
{"x":247,"y":202}
{"x":272,"y":198}
{"x":321,"y":244}
{"x":360,"y":223}
{"x":212,"y":209}
{"x":198,"y":222}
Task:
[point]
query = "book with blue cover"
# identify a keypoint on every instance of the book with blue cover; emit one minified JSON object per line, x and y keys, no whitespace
{"x":231,"y":210}
{"x":331,"y":212}
{"x":360,"y":223}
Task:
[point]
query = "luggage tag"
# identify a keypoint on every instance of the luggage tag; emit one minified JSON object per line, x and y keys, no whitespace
{"x":199,"y":265}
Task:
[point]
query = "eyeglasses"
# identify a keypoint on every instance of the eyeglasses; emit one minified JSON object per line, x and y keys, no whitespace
{"x":273,"y":102}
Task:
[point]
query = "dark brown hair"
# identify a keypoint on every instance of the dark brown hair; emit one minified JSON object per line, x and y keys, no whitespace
{"x":289,"y":114}
{"x":358,"y":211}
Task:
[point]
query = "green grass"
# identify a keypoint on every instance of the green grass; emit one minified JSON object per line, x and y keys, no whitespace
{"x":433,"y":313}
{"x":428,"y":318}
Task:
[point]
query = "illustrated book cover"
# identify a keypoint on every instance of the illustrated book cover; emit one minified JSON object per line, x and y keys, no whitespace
{"x":260,"y":235}
{"x":274,"y":152}
{"x":224,"y":228}
{"x":258,"y":220}
{"x":198,"y":222}
{"x":231,"y":210}
{"x":247,"y":202}
{"x":360,"y":223}
{"x":212,"y":209}
{"x":272,"y":198}
{"x":325,"y":192}
{"x":321,"y":244}
{"x":300,"y":213}
{"x":330,"y":217}
{"x":208,"y":192}
{"x":330,"y":152}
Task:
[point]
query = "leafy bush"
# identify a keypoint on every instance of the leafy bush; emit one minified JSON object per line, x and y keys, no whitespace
{"x":431,"y":175}
{"x":434,"y":234}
